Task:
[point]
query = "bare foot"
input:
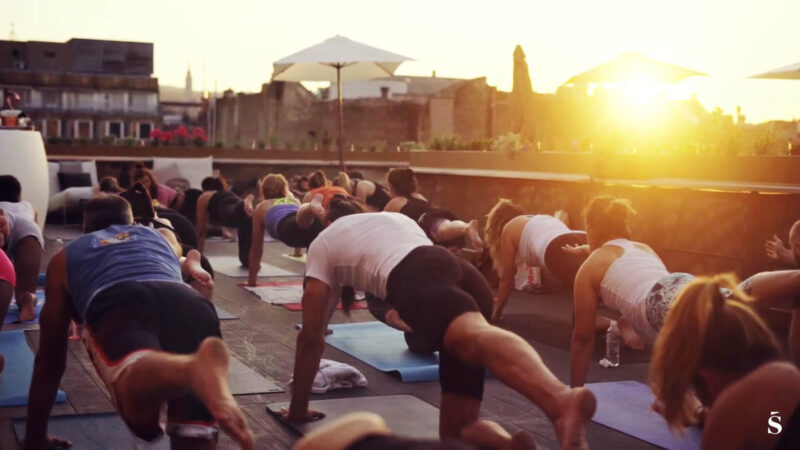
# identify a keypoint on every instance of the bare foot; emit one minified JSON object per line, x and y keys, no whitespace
{"x":27,"y":307}
{"x":316,"y":206}
{"x":577,"y":408}
{"x":474,"y":236}
{"x":629,"y":336}
{"x":522,"y":441}
{"x":248,"y":205}
{"x":208,"y":379}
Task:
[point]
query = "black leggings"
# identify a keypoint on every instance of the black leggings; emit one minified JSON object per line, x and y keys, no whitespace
{"x":429,"y":289}
{"x":288,"y":232}
{"x":157,"y":315}
{"x":564,"y":266}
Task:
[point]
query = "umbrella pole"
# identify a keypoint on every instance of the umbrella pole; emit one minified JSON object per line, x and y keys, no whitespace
{"x":340,"y":137}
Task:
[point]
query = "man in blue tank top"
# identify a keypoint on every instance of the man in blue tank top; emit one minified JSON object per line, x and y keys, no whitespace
{"x":152,"y":338}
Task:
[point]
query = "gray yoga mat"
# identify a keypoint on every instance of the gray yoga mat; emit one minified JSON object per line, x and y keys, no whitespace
{"x":243,"y":380}
{"x":224,"y":315}
{"x":406,"y":415}
{"x":230,"y":266}
{"x":93,"y":432}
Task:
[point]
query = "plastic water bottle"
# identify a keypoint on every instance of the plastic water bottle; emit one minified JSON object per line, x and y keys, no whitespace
{"x":613,"y":341}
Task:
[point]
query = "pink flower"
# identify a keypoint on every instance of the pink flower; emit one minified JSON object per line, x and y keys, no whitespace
{"x":166,"y":136}
{"x":181,"y":132}
{"x":197,"y":132}
{"x":155,"y":134}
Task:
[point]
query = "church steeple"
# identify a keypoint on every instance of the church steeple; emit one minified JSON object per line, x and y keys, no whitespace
{"x":188,"y":85}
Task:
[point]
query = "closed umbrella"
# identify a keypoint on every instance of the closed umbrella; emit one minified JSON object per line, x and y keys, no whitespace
{"x":337,"y":59}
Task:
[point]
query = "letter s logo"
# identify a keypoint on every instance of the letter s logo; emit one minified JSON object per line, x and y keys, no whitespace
{"x":774,"y":423}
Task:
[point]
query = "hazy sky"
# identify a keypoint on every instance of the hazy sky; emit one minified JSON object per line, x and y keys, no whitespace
{"x":235,"y":41}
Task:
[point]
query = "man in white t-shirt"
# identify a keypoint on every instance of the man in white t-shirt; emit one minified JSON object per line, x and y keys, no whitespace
{"x":446,"y":302}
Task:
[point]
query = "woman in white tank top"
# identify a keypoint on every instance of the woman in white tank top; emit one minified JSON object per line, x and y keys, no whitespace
{"x":536,"y":240}
{"x":626,"y":276}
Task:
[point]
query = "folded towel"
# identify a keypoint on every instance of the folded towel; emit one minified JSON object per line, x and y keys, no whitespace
{"x":335,"y":375}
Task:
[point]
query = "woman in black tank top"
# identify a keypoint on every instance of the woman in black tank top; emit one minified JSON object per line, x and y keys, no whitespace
{"x":440,"y":225}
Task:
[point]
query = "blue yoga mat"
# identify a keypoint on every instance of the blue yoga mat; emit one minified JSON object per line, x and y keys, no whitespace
{"x":384,"y":348}
{"x":93,"y":432}
{"x":12,"y":316}
{"x":15,"y":379}
{"x":625,"y":406}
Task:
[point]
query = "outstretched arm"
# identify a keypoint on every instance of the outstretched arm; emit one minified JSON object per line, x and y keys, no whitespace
{"x":51,"y":359}
{"x":585,"y":311}
{"x":310,"y":344}
{"x":310,"y":211}
{"x":773,"y":288}
{"x":507,"y":269}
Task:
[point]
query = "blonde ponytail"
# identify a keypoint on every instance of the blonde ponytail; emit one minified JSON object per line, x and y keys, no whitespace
{"x":502,"y":213}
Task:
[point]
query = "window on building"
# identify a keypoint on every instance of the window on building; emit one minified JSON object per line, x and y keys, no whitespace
{"x":51,"y":128}
{"x":144,"y":129}
{"x":83,"y":129}
{"x":115,"y":128}
{"x":144,"y":101}
{"x":51,"y":99}
{"x":114,"y":101}
{"x":85,"y":101}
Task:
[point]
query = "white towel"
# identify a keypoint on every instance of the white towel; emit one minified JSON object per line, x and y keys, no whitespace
{"x":335,"y":375}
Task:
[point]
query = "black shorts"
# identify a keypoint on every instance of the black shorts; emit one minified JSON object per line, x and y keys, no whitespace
{"x":292,"y":235}
{"x":226,"y":209}
{"x":429,"y":289}
{"x":382,"y":442}
{"x":156,"y":315}
{"x":564,"y":266}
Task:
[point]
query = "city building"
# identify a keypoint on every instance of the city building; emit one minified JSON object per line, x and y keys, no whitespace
{"x":83,"y":88}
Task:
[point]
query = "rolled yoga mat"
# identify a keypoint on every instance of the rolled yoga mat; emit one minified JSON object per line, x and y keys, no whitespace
{"x":15,"y":379}
{"x":385,"y":349}
{"x":625,"y":406}
{"x":405,"y":415}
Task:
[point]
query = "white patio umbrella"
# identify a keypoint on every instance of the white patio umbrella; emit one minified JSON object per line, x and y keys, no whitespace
{"x":791,"y":72}
{"x":337,"y":59}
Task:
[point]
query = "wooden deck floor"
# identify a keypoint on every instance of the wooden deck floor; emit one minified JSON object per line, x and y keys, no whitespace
{"x":264,"y":338}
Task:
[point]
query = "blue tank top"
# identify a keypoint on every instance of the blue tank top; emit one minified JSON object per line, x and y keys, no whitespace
{"x":119,"y":253}
{"x":275,"y":214}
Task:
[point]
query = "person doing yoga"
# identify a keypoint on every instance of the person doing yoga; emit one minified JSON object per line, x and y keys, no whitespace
{"x":440,"y":225}
{"x":537,"y":240}
{"x":443,"y":299}
{"x":716,"y":363}
{"x":370,"y":192}
{"x":280,"y":215}
{"x":7,"y":282}
{"x":626,"y":275}
{"x":152,"y":339}
{"x":226,"y":209}
{"x":24,"y":244}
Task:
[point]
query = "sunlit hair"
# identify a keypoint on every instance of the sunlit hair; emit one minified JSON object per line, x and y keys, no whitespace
{"x":709,"y":326}
{"x":607,"y":218}
{"x":105,"y":210}
{"x":273,"y":186}
{"x":402,"y":181}
{"x":502,"y":213}
{"x":317,"y":179}
{"x":343,"y":181}
{"x":139,"y":172}
{"x":341,"y":205}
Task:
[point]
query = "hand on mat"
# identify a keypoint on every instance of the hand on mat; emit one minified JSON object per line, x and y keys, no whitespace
{"x":578,"y":250}
{"x":52,"y":443}
{"x":309,"y":416}
{"x":777,"y":251}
